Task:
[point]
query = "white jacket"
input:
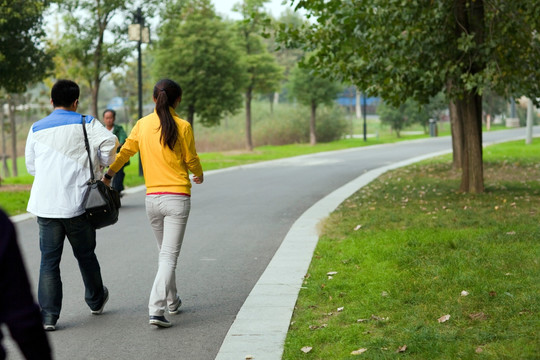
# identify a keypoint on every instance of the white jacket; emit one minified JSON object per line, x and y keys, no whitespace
{"x":56,"y":156}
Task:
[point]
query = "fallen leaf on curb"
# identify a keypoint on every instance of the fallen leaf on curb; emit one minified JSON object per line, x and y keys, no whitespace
{"x":306,"y":349}
{"x":359,"y":351}
{"x":444,"y":318}
{"x":357,"y":227}
{"x":478,"y":316}
{"x":249,"y":357}
{"x":464,"y":293}
{"x":402,"y":349}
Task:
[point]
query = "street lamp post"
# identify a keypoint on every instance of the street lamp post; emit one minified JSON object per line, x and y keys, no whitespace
{"x":138,"y":32}
{"x":364,"y":109}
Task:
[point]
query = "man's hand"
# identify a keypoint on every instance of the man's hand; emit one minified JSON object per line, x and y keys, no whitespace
{"x":198,"y":179}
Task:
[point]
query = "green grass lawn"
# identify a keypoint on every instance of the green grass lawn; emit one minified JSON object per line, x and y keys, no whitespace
{"x":406,"y":246}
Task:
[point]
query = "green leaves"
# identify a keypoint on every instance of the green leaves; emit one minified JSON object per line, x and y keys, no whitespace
{"x":199,"y":51}
{"x":409,"y":49}
{"x":22,"y":58}
{"x":309,"y":88}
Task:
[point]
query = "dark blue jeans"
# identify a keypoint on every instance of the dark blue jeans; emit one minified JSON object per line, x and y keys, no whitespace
{"x":82,"y":237}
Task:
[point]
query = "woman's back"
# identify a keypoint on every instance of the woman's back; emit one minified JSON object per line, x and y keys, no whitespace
{"x":165,"y":170}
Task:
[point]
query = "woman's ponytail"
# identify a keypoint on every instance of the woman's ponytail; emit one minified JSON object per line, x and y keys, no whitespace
{"x":166,"y":92}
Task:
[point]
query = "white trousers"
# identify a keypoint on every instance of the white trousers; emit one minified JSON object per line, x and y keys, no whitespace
{"x":168,"y":215}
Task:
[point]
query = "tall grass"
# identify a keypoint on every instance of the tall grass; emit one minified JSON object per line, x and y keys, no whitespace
{"x":277,"y":124}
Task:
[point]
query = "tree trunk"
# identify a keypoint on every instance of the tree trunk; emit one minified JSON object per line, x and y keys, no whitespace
{"x":98,"y":54}
{"x":11,"y":106}
{"x":456,"y":128}
{"x":312,"y":128}
{"x":470,"y":111}
{"x":469,"y":16}
{"x":95,"y":94}
{"x":4,"y":150}
{"x":191,"y":115}
{"x":530,"y":121}
{"x":249,"y":142}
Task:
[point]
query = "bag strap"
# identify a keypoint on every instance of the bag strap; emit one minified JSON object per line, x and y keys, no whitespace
{"x":87,"y":148}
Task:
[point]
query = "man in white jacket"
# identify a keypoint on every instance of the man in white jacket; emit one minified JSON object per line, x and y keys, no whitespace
{"x":57,"y":158}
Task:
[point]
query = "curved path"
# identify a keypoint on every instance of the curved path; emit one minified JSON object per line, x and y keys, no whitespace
{"x":249,"y":241}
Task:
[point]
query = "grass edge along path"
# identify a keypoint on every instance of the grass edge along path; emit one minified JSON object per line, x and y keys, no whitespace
{"x":15,"y":199}
{"x":407,"y":250}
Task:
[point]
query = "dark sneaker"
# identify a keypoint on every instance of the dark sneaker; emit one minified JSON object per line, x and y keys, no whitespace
{"x":159,"y":321}
{"x":176,"y":308}
{"x":105,"y":299}
{"x":49,"y":327}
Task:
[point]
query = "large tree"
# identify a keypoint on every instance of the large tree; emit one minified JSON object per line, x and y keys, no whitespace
{"x":197,"y":49}
{"x":96,"y":39}
{"x":23,"y":59}
{"x":312,"y":90}
{"x":416,"y":49}
{"x":263,"y":71}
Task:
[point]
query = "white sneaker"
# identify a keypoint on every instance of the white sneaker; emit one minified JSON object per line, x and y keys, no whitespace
{"x":105,"y":299}
{"x":175,"y":309}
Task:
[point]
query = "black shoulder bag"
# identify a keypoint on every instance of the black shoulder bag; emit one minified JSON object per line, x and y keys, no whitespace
{"x":101,"y":202}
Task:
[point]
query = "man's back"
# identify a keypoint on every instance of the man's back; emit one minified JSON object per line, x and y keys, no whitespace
{"x":56,"y":156}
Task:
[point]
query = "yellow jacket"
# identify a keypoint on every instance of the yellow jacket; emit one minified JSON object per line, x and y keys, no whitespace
{"x":164,"y":170}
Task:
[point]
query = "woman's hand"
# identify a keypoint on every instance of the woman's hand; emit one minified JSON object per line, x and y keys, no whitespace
{"x":106,"y":181}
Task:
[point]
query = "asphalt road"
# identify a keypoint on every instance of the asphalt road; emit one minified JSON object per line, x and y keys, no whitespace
{"x":238,"y":220}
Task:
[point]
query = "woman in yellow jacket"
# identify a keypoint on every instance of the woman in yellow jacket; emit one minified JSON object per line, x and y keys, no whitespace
{"x":167,"y":149}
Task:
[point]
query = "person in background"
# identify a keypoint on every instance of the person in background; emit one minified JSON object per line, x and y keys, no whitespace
{"x":167,"y":148}
{"x":109,"y":117}
{"x":57,"y":158}
{"x":18,"y":310}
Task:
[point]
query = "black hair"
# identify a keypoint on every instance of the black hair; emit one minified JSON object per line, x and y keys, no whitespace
{"x":166,"y":92}
{"x":64,"y":93}
{"x":111,"y":111}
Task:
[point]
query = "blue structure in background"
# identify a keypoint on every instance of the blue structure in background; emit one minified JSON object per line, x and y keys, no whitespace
{"x":347,"y":98}
{"x":351,"y":101}
{"x":116,"y":103}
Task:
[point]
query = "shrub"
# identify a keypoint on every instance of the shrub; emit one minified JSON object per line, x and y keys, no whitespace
{"x":331,"y":124}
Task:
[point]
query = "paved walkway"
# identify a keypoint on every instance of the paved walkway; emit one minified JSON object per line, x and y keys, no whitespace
{"x":261,"y":325}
